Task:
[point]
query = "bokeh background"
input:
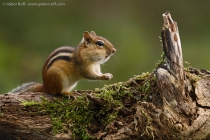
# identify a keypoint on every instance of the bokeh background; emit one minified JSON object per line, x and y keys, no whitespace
{"x":28,"y":34}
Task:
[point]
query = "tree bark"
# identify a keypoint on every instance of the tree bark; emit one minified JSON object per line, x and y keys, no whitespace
{"x":172,"y":102}
{"x":184,"y":99}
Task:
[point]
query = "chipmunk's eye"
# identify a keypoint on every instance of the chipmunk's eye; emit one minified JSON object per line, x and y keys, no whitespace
{"x":99,"y":43}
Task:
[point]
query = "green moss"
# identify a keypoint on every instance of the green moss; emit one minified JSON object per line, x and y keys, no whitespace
{"x":66,"y":114}
{"x":112,"y":96}
{"x":159,"y":62}
{"x":193,"y":77}
{"x":143,"y":76}
{"x":149,"y":130}
{"x":29,"y":103}
{"x":147,"y":86}
{"x":77,"y":114}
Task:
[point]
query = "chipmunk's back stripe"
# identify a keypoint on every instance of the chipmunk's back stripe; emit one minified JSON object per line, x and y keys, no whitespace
{"x":65,"y":58}
{"x":63,"y":53}
{"x":59,"y":50}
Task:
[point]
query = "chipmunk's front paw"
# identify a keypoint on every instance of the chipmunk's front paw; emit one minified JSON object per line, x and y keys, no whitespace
{"x":108,"y":76}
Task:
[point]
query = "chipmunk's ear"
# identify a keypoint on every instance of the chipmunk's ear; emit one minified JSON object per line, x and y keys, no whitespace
{"x":92,"y":33}
{"x":87,"y":37}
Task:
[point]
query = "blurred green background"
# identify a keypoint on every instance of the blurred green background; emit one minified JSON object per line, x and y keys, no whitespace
{"x":28,"y":34}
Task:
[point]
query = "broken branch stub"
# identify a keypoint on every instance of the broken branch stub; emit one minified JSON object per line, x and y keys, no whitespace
{"x":172,"y":47}
{"x":170,"y":74}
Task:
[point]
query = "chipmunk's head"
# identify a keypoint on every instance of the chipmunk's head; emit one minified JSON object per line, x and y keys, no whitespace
{"x":94,"y":48}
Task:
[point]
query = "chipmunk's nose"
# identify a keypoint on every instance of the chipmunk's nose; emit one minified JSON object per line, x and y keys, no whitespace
{"x":113,"y":50}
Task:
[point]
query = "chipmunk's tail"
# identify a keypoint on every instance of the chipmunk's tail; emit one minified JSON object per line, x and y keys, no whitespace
{"x":28,"y":87}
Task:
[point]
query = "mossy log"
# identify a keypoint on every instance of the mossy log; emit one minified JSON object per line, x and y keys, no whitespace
{"x":171,"y":102}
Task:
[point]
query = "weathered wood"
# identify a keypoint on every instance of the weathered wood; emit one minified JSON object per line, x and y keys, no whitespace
{"x":185,"y":96}
{"x":172,"y":47}
{"x":15,"y":123}
{"x":170,"y":74}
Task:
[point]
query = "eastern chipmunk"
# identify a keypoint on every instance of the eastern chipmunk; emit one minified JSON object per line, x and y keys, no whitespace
{"x":66,"y":65}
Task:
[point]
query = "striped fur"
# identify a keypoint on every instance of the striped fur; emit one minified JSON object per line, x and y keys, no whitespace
{"x":62,"y":53}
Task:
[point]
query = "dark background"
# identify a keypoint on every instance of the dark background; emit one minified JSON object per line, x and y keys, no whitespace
{"x":28,"y":34}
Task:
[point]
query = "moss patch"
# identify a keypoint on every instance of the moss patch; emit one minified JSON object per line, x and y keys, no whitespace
{"x":66,"y":114}
{"x":85,"y":118}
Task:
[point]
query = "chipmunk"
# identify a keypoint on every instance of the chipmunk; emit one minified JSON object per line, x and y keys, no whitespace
{"x":66,"y":65}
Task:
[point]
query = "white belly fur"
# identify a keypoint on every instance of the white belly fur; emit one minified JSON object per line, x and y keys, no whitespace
{"x":68,"y":84}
